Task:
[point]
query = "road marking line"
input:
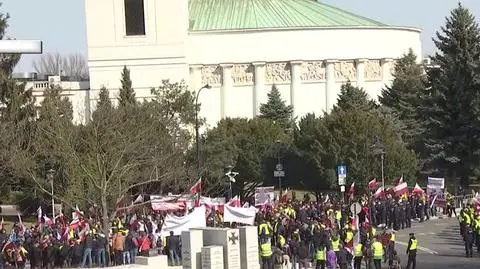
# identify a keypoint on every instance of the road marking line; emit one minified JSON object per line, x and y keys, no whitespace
{"x":427,"y":250}
{"x":421,"y":233}
{"x":432,"y":233}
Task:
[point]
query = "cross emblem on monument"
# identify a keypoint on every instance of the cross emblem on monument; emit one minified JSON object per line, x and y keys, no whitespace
{"x":233,"y":238}
{"x":21,"y":46}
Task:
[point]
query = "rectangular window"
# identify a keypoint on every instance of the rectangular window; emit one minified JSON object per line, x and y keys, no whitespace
{"x":134,"y":17}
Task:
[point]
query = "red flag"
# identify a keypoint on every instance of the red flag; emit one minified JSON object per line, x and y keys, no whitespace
{"x":284,"y":197}
{"x":352,"y":190}
{"x":372,"y":184}
{"x":235,"y":202}
{"x":401,"y":189}
{"x":417,"y":189}
{"x":197,"y":188}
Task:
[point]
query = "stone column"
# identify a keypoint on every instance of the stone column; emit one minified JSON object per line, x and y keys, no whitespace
{"x":195,"y":77}
{"x":259,"y":86}
{"x":296,"y":73}
{"x":330,"y":93}
{"x":360,"y":66}
{"x":387,"y":68}
{"x":227,"y":84}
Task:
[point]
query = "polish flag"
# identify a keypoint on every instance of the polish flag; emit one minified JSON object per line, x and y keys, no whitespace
{"x":417,"y":189}
{"x":380,"y":191}
{"x":400,"y":180}
{"x":197,"y":187}
{"x":351,"y":192}
{"x":39,"y":215}
{"x":48,"y":220}
{"x":372,"y":184}
{"x":235,"y":202}
{"x":401,"y":189}
{"x":1,"y":224}
{"x":284,"y":197}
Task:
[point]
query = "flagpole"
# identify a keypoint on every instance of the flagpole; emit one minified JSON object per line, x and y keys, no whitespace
{"x":383,"y":175}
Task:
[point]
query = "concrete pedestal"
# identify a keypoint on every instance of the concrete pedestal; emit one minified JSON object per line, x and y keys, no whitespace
{"x":249,"y":248}
{"x":192,"y":243}
{"x":160,"y":261}
{"x":212,"y":257}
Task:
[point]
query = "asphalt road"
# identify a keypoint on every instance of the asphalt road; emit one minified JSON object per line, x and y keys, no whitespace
{"x":440,"y":246}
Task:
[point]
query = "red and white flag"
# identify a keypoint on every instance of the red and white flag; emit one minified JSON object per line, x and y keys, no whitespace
{"x":417,"y":189}
{"x":351,"y":192}
{"x":284,"y":197}
{"x":48,"y":220}
{"x":400,"y":180}
{"x":39,"y":215}
{"x":380,"y":192}
{"x":197,"y":187}
{"x":1,"y":224}
{"x":401,"y":189}
{"x":372,"y":184}
{"x":235,"y":202}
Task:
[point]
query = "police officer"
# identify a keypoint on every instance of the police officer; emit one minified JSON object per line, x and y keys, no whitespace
{"x":468,"y":238}
{"x":358,"y":255}
{"x":321,"y":257}
{"x":412,"y":251}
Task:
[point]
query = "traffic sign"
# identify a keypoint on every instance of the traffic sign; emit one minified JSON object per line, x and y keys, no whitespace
{"x":342,"y":171}
{"x":342,"y":181}
{"x":279,"y":173}
{"x":279,"y":167}
{"x":355,"y":208}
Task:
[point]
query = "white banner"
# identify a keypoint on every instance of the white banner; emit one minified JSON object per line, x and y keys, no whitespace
{"x":196,"y":219}
{"x":264,"y":195}
{"x":239,"y":214}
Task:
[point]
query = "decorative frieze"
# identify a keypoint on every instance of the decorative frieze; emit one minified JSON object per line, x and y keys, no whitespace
{"x":345,"y":70}
{"x":313,"y":71}
{"x":373,"y":70}
{"x":277,"y":73}
{"x":242,"y":74}
{"x":212,"y":75}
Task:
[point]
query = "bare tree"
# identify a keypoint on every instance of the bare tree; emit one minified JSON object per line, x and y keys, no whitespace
{"x":72,"y":65}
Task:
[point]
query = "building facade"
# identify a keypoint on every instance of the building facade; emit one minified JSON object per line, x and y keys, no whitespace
{"x":241,"y":48}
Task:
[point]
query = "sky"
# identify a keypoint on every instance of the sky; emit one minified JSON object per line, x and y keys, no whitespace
{"x":60,"y":24}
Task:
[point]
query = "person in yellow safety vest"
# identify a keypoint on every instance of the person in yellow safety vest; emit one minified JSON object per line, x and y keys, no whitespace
{"x":477,"y":232}
{"x":281,"y":241}
{"x":264,"y":228}
{"x":266,"y":253}
{"x":321,"y":257}
{"x":412,"y":251}
{"x":357,"y":256}
{"x":336,"y":244}
{"x":378,"y":253}
{"x":349,"y":235}
{"x":372,"y":233}
{"x":338,"y":218}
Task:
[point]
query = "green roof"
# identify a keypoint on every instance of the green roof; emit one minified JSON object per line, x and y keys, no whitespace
{"x":224,"y":15}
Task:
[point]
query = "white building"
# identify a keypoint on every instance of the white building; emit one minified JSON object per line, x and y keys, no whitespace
{"x":76,"y":91}
{"x":305,"y":47}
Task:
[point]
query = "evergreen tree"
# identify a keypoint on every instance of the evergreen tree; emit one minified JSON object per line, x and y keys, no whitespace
{"x":353,"y":98}
{"x":452,"y":127}
{"x":127,"y":93}
{"x":404,"y":97}
{"x":277,"y":110}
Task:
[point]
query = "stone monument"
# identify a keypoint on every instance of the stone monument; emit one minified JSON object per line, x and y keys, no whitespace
{"x":229,"y":239}
{"x":249,"y":255}
{"x":212,"y":257}
{"x":192,"y":243}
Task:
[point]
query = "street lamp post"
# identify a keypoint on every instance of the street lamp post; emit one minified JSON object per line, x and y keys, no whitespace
{"x":379,"y":149}
{"x":50,"y":174}
{"x":197,"y":132}
{"x":231,"y":179}
{"x":279,"y":172}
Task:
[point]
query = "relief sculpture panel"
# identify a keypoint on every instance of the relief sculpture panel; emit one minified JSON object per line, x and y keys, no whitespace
{"x":373,"y":70}
{"x":313,"y":71}
{"x":242,"y":74}
{"x":277,"y":73}
{"x":345,"y":70}
{"x":212,"y":75}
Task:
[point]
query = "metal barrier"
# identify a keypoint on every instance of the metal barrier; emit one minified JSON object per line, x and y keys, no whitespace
{"x":462,"y":200}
